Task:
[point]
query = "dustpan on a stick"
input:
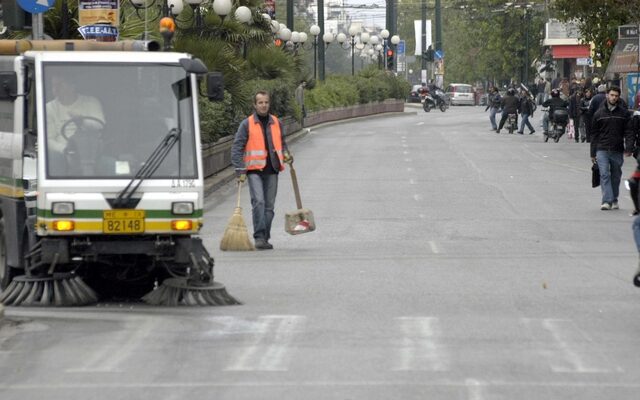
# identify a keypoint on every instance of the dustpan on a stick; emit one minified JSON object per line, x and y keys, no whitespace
{"x":236,"y":235}
{"x":301,"y":220}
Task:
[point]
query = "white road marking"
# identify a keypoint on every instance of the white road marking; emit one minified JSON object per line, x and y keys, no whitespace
{"x":434,"y":247}
{"x":405,"y":152}
{"x":321,"y":384}
{"x":270,"y":348}
{"x":474,"y":389}
{"x":408,"y":160}
{"x":121,"y":346}
{"x":410,"y":169}
{"x":417,"y":197}
{"x":420,"y":123}
{"x":412,"y":181}
{"x":572,"y":350}
{"x":420,"y":350}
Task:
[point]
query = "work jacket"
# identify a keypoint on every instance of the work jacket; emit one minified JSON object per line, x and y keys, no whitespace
{"x":249,"y":151}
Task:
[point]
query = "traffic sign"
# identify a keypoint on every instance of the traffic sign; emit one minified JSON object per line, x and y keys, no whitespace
{"x":36,"y":6}
{"x":400,"y":48}
{"x":584,"y":61}
{"x":439,"y":54}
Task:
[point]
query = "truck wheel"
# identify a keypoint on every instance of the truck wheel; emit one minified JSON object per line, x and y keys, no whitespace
{"x":6,"y":272}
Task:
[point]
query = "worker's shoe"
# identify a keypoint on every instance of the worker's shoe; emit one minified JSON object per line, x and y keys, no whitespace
{"x":262,"y":244}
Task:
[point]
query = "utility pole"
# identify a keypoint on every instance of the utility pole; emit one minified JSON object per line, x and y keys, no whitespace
{"x":423,"y":41}
{"x":321,"y":40}
{"x":526,"y":47}
{"x":438,"y":25}
{"x":290,"y":15}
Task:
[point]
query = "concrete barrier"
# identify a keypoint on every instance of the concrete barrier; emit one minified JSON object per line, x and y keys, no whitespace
{"x":217,"y":156}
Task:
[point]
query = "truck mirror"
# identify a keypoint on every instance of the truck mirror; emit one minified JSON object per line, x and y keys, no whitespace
{"x":194,"y":66}
{"x":8,"y":85}
{"x":215,"y":86}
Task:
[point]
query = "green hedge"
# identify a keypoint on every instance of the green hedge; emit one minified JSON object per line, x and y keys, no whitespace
{"x":220,"y":119}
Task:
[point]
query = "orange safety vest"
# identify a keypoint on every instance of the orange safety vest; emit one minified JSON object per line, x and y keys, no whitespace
{"x":255,"y":151}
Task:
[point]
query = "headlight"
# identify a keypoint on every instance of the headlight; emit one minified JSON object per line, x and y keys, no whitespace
{"x":62,"y":208}
{"x":182,"y":208}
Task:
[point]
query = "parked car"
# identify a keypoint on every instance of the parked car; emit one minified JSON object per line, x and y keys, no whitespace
{"x":414,"y":95}
{"x":460,"y":93}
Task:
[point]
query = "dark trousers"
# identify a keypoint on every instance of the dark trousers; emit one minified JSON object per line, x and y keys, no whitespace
{"x":504,"y":117}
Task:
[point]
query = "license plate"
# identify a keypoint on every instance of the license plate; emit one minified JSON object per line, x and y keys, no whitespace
{"x":123,"y":221}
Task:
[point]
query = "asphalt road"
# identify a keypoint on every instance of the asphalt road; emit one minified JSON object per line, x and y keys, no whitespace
{"x":449,"y":263}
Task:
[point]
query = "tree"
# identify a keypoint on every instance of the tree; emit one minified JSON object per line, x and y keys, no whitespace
{"x":598,"y":20}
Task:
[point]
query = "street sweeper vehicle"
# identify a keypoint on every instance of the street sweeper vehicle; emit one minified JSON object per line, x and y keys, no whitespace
{"x":101,"y":182}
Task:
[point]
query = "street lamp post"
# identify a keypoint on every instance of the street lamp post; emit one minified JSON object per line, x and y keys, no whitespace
{"x":395,"y":39}
{"x":315,"y":31}
{"x":384,"y":34}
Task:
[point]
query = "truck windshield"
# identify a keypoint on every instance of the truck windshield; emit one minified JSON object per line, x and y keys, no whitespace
{"x":104,"y":120}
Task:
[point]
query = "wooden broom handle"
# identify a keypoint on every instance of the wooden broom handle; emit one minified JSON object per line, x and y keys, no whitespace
{"x":296,"y":190}
{"x":239,"y":189}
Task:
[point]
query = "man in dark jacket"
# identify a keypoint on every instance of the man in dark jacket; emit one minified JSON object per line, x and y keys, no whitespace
{"x":555,"y":102}
{"x":493,"y":105}
{"x":612,"y":135}
{"x":526,"y":110}
{"x":509,"y":104}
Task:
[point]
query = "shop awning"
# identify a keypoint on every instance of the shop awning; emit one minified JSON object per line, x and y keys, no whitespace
{"x":571,"y":51}
{"x":624,"y":58}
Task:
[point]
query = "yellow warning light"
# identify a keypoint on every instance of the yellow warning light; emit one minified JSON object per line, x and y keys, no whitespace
{"x":63,"y":225}
{"x":181,"y":225}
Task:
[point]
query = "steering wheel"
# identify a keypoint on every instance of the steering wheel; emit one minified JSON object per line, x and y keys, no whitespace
{"x":78,"y":121}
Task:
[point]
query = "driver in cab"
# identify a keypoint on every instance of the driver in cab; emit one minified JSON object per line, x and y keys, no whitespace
{"x":67,"y":104}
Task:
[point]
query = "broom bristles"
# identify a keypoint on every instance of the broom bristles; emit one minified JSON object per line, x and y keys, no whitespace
{"x":236,"y":235}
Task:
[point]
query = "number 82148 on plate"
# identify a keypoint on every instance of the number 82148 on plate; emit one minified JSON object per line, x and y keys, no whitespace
{"x":123,"y":221}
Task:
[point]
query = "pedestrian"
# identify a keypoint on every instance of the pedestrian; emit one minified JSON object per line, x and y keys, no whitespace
{"x":540,"y":96}
{"x":636,"y":101}
{"x":598,"y":99}
{"x":547,"y":90}
{"x":526,"y":110}
{"x":574,"y":113}
{"x":258,"y":154}
{"x":509,"y":104}
{"x":585,"y":117}
{"x":634,"y":191}
{"x":493,"y":105}
{"x":612,"y":135}
{"x":299,"y":95}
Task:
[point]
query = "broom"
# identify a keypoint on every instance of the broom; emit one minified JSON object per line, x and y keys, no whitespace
{"x":236,"y":236}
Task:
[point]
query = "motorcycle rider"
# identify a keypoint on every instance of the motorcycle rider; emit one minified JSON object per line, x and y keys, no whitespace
{"x":433,"y":91}
{"x":509,"y":104}
{"x":554,"y":103}
{"x":493,"y":105}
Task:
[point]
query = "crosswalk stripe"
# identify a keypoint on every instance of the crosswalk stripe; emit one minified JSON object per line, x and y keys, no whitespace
{"x":568,"y":348}
{"x":270,"y":350}
{"x":420,"y":349}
